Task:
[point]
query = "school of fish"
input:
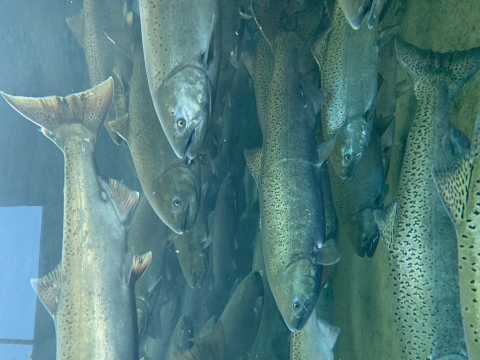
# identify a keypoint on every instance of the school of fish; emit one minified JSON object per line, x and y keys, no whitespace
{"x":258,"y":131}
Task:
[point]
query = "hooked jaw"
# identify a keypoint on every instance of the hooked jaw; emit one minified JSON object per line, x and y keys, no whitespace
{"x":183,"y":106}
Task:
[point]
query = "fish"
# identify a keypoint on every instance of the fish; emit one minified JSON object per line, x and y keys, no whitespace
{"x":182,"y":334}
{"x":458,"y":186}
{"x":147,"y":232}
{"x":171,"y":185}
{"x":272,"y":338}
{"x":350,"y":98}
{"x":208,"y":345}
{"x":355,"y":11}
{"x":89,"y":294}
{"x":241,"y":317}
{"x":182,"y":46}
{"x":293,"y":224}
{"x":191,"y":249}
{"x":102,"y":59}
{"x":355,"y":200}
{"x":416,"y":228}
{"x":315,"y":341}
{"x":223,"y":231}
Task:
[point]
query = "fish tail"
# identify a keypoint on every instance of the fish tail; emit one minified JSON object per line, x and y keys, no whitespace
{"x":88,"y":108}
{"x":454,"y":69}
{"x":296,"y":25}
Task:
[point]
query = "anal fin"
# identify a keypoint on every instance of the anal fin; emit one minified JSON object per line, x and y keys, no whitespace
{"x":119,"y":126}
{"x":47,"y":288}
{"x":122,"y":197}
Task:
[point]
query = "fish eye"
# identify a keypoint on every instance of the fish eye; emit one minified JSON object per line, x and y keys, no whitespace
{"x":176,"y":203}
{"x":347,"y":157}
{"x":181,"y":122}
{"x":364,"y":239}
{"x":296,"y":305}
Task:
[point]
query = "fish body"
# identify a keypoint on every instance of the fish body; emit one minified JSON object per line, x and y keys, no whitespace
{"x":356,"y":198}
{"x":272,"y":339}
{"x":171,"y":185}
{"x":89,"y":295}
{"x":102,"y":58}
{"x":349,"y":81}
{"x":177,"y":36}
{"x":292,"y":218}
{"x":459,"y":188}
{"x":315,"y":341}
{"x":190,"y":249}
{"x":223,"y":233}
{"x":421,"y":241}
{"x":355,"y":11}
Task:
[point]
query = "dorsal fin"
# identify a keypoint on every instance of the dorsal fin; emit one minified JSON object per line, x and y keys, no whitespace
{"x":125,"y":38}
{"x":47,"y":288}
{"x":122,"y":197}
{"x":386,"y":220}
{"x":76,"y":23}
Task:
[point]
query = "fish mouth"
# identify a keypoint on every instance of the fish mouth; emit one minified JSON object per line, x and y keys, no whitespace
{"x":190,"y":143}
{"x":187,"y":215}
{"x":304,"y":318}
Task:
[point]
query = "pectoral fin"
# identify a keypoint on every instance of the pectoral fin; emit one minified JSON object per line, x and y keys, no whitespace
{"x":328,"y":254}
{"x":385,"y":220}
{"x":254,"y":162}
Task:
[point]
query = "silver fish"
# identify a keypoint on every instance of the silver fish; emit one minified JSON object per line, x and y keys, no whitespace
{"x":89,"y":295}
{"x":292,"y":218}
{"x":181,"y":42}
{"x":349,"y":80}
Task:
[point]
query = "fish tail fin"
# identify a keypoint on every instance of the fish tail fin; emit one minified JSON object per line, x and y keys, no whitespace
{"x":88,"y":108}
{"x":454,"y":68}
{"x":296,"y":24}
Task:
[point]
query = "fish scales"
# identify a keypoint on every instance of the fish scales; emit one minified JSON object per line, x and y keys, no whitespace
{"x":421,"y":248}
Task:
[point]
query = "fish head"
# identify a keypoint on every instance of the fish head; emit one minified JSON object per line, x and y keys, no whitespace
{"x":365,"y":236}
{"x":183,"y":105}
{"x":177,"y":199}
{"x":296,"y":293}
{"x":350,"y":146}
